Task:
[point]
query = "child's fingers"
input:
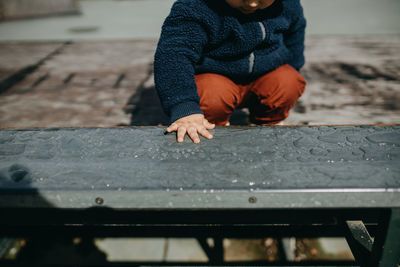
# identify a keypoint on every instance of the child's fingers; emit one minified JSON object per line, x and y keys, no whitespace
{"x":204,"y":132}
{"x":208,"y":125}
{"x":172,"y":128}
{"x":181,"y":133}
{"x":192,"y":132}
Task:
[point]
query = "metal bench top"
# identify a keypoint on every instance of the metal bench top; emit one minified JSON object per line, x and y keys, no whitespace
{"x":242,"y":167}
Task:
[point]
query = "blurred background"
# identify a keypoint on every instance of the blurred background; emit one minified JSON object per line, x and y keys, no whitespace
{"x":80,"y":63}
{"x":142,"y":19}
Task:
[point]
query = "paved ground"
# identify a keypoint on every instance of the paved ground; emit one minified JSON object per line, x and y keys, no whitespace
{"x":79,"y":84}
{"x":350,"y":80}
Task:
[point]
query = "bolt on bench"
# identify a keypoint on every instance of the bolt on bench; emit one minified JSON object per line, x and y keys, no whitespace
{"x":325,"y":181}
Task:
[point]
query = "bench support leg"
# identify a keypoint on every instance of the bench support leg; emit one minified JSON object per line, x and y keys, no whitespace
{"x":391,"y":245}
{"x":359,"y":241}
{"x":215,"y":254}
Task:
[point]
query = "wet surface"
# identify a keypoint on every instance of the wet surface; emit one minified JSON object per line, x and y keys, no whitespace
{"x":144,"y":158}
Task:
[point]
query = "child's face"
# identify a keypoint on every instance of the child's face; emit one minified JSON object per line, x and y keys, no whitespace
{"x":249,"y":6}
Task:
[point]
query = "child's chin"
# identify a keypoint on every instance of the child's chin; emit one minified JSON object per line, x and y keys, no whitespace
{"x":247,"y":12}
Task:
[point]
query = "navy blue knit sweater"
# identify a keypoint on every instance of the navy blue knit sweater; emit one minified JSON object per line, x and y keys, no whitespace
{"x":209,"y":36}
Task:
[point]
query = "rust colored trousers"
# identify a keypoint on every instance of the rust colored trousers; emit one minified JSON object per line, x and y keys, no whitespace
{"x":269,"y":98}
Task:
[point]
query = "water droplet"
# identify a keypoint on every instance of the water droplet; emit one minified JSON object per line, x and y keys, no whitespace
{"x":212,"y":191}
{"x":167,"y":190}
{"x":136,"y":156}
{"x":205,"y":191}
{"x":119,"y":189}
{"x":181,"y":188}
{"x":252,"y":183}
{"x":234,"y":181}
{"x":108,"y":185}
{"x":41,"y":179}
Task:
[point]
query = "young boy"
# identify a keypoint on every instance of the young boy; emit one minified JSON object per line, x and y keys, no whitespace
{"x":214,"y":56}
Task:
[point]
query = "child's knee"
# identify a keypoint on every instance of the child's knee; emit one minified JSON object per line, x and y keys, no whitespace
{"x":217,"y":97}
{"x":281,"y":87}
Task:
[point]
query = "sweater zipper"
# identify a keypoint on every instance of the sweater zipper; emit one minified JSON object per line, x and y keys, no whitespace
{"x":252,"y":56}
{"x":263,"y":30}
{"x":251,"y":62}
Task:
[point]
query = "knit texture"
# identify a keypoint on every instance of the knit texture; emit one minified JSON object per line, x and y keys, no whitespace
{"x":208,"y":36}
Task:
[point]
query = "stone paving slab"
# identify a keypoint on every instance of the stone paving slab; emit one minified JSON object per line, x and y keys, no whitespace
{"x":119,"y":161}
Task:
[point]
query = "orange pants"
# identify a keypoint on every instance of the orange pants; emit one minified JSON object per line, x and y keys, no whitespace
{"x":269,"y":98}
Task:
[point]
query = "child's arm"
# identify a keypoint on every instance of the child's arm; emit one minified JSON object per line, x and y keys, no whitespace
{"x":294,"y":38}
{"x":179,"y":49}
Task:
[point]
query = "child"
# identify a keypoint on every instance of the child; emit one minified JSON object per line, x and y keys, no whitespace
{"x":214,"y":56}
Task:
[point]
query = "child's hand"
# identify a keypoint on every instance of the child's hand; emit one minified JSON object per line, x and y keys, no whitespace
{"x":192,"y":125}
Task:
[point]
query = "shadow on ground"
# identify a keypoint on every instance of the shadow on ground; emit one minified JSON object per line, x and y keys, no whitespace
{"x":146,"y":110}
